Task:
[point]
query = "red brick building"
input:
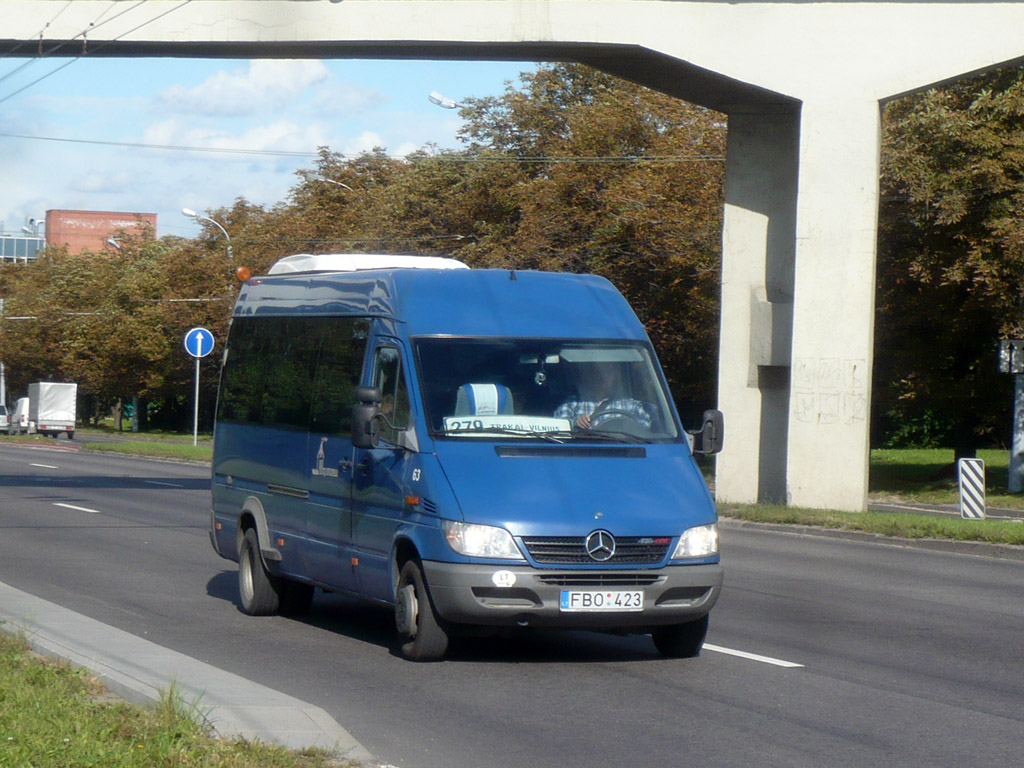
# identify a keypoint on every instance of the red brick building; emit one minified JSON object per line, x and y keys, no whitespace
{"x":90,"y":230}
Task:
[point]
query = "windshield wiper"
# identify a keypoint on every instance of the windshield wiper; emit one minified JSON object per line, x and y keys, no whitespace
{"x":599,"y":435}
{"x":556,"y":436}
{"x":612,"y":435}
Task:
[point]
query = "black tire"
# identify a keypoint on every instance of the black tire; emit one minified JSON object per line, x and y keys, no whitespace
{"x":295,"y":598}
{"x":422,"y":633}
{"x":257,"y":588}
{"x":681,"y":641}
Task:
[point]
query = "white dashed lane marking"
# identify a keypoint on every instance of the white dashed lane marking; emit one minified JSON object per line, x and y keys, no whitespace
{"x":77,"y":509}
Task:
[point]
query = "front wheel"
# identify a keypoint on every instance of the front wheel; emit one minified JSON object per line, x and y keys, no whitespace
{"x":421,"y":631}
{"x":257,"y":588}
{"x":681,"y":641}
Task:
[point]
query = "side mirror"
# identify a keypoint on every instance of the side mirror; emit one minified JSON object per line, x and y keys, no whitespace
{"x":711,"y":434}
{"x":365,"y":424}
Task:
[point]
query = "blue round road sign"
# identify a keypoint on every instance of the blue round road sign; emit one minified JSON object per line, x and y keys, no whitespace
{"x":199,"y":342}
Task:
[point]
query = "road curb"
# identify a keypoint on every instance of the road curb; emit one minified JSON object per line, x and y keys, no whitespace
{"x":976,"y":548}
{"x":140,"y":671}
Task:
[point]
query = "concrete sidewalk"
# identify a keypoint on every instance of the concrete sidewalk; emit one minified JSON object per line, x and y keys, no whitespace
{"x":138,"y":671}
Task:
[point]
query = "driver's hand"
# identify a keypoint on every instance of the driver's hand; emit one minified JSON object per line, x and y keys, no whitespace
{"x":583,"y":421}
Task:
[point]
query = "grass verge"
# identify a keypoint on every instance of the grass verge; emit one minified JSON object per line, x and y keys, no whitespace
{"x":157,"y":449}
{"x":910,"y":476}
{"x":928,"y":476}
{"x":53,"y":715}
{"x":176,"y":447}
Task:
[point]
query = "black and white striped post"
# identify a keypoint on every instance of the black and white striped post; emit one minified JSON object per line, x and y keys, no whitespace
{"x":972,"y":489}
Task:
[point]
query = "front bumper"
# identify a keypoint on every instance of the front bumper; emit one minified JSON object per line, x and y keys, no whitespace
{"x":467,"y":594}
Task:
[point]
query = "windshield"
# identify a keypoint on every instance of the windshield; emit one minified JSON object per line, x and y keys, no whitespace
{"x":549,"y":388}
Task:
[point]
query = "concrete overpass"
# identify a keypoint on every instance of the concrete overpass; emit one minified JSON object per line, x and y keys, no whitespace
{"x":802,"y":83}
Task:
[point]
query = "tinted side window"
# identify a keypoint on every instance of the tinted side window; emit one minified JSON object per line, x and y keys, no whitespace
{"x":271,"y":366}
{"x":242,"y":380}
{"x":343,"y":345}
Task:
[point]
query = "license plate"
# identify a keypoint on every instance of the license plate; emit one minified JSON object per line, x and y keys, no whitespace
{"x":584,"y":601}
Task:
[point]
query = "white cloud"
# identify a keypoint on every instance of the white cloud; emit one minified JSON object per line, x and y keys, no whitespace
{"x":282,"y":136}
{"x":265,"y":84}
{"x":103,"y":182}
{"x":405,"y":148}
{"x":333,"y":98}
{"x":364,"y":142}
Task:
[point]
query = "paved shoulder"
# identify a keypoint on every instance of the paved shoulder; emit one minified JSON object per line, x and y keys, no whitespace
{"x":139,"y":671}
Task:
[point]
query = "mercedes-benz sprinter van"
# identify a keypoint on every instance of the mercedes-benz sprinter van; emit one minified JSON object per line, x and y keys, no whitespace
{"x":476,"y":449}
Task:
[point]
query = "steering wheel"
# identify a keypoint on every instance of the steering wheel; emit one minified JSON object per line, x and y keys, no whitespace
{"x":605,"y":414}
{"x":618,"y":420}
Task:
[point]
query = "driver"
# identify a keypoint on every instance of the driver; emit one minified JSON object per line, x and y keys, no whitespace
{"x":602,"y":400}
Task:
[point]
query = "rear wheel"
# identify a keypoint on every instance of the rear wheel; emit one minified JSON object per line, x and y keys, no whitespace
{"x":681,"y":641}
{"x":421,"y":631}
{"x":257,"y":588}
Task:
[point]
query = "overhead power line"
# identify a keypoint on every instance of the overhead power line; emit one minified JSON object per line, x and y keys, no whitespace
{"x":583,"y":160}
{"x":84,"y":35}
{"x":452,"y":157}
{"x":175,"y":147}
{"x":93,"y":25}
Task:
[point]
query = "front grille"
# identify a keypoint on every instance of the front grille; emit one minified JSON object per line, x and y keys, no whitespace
{"x":571,"y":550}
{"x":606,"y":579}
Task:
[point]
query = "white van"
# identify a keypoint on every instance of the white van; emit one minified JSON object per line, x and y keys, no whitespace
{"x":19,"y":424}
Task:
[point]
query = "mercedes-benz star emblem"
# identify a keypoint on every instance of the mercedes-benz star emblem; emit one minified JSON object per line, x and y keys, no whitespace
{"x":600,"y":546}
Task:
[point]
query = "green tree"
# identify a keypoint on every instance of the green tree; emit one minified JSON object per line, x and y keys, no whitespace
{"x":624,"y":182}
{"x":575,"y":170}
{"x":113,"y":323}
{"x":950,"y":262}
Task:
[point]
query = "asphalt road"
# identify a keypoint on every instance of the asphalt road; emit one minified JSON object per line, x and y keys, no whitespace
{"x":856,"y":654}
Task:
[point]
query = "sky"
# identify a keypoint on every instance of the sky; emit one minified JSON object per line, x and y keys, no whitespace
{"x":267,"y":106}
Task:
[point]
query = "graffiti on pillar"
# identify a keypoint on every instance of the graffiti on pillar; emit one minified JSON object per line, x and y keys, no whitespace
{"x":829,"y":390}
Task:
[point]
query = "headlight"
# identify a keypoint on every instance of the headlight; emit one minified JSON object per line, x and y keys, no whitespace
{"x":480,"y":540}
{"x":701,"y":541}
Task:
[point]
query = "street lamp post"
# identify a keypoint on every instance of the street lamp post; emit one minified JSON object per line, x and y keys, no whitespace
{"x":200,"y":217}
{"x":443,"y":101}
{"x":33,"y":227}
{"x":308,"y":176}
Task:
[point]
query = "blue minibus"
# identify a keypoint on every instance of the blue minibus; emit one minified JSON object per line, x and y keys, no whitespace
{"x":477,"y":449}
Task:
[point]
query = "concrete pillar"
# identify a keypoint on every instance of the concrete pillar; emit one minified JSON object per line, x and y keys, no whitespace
{"x":834,"y":300}
{"x":757,"y":295}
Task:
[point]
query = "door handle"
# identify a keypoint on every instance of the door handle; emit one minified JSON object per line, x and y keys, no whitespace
{"x":344,"y":466}
{"x":363,"y":465}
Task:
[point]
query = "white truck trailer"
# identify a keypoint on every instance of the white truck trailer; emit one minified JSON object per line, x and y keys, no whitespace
{"x":51,"y":405}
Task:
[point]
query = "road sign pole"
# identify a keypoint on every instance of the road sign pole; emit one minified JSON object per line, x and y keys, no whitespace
{"x":1016,"y":476}
{"x":1011,"y":360}
{"x":198,"y":343}
{"x":195,"y":415}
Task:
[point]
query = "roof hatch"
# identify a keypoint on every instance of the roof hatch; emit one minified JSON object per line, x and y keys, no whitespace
{"x":355,"y":262}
